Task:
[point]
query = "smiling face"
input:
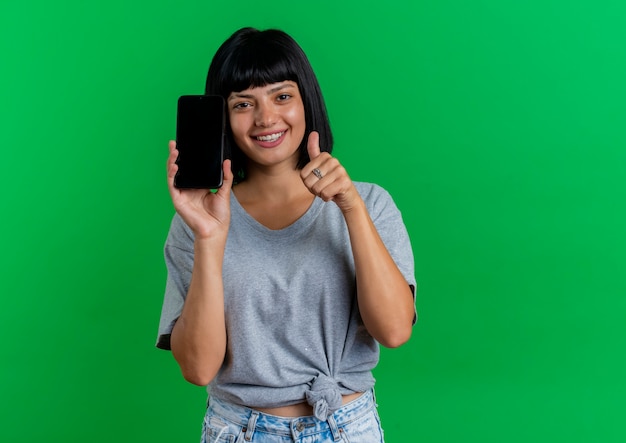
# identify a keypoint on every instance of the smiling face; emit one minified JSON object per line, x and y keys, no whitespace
{"x":268,"y":123}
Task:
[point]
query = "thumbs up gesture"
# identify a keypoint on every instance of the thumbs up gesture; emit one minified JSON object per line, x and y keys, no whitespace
{"x":326,"y":178}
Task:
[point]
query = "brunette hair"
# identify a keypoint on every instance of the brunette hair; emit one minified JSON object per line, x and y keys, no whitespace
{"x":251,"y":58}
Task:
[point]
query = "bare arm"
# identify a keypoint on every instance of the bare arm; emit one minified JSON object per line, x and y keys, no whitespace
{"x":384,"y":296}
{"x":198,"y":340}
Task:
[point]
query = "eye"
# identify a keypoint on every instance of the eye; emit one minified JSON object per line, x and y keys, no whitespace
{"x":284,"y":96}
{"x":241,"y":105}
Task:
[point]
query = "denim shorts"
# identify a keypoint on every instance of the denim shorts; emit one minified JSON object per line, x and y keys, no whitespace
{"x":355,"y":422}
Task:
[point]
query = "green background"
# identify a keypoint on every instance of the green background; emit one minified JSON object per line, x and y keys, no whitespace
{"x":498,"y":127}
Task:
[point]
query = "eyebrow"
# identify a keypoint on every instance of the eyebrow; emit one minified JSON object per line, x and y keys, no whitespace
{"x":277,"y":88}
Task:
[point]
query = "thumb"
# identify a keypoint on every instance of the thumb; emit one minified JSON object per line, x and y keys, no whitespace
{"x":227,"y":183}
{"x":313,"y":144}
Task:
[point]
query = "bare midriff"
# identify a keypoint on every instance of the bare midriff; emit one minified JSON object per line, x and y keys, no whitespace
{"x":302,"y":409}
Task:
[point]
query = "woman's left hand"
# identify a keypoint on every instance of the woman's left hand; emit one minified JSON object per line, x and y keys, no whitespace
{"x":326,"y":178}
{"x":385,"y":298}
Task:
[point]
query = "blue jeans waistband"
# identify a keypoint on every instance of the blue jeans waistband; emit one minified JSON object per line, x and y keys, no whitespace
{"x":247,"y":417}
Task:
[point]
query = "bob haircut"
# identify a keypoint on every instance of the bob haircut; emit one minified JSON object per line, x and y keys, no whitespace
{"x":252,"y":58}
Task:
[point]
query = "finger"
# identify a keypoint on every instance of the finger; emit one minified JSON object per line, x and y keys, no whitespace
{"x":172,"y":167}
{"x":227,"y":182}
{"x":173,"y":152}
{"x":313,"y":144}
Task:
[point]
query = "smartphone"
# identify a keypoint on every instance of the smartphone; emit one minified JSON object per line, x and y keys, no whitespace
{"x":200,"y":121}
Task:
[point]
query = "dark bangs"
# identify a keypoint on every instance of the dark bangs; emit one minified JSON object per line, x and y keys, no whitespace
{"x":260,"y":64}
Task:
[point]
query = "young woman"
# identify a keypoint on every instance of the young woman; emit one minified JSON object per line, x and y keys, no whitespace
{"x":283,"y":283}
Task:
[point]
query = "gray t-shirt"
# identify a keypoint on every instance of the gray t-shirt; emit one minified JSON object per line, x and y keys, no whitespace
{"x":293,"y":325}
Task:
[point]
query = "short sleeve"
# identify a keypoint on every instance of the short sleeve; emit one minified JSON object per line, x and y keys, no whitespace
{"x":390,"y":226}
{"x":178,"y":252}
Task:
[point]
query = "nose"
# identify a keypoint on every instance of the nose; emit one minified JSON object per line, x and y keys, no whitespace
{"x":265,"y":115}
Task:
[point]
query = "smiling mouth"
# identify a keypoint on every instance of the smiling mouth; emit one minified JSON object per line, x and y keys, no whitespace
{"x":270,"y":138}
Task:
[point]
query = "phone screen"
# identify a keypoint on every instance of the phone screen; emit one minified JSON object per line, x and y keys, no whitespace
{"x":200,"y":141}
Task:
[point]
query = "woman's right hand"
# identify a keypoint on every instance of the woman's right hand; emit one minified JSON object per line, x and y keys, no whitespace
{"x":207,"y":213}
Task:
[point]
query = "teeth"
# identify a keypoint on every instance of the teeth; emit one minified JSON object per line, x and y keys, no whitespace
{"x":270,"y":138}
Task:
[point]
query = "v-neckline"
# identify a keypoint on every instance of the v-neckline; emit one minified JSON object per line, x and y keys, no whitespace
{"x":300,"y":224}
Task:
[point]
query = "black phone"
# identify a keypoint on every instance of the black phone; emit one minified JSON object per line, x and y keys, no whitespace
{"x":200,"y":124}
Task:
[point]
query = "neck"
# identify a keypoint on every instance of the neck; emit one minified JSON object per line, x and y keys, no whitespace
{"x":271,"y":184}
